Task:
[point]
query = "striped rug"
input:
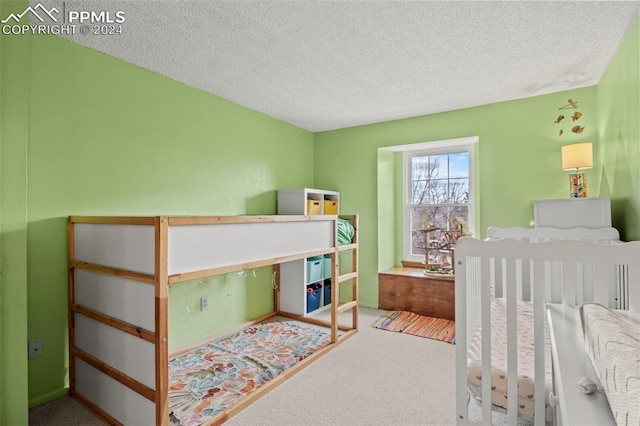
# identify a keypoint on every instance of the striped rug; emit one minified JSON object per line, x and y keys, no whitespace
{"x":418,"y":325}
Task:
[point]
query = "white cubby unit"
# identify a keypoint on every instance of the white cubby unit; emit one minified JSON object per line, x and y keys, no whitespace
{"x":307,"y":201}
{"x":310,"y":285}
{"x":306,"y":285}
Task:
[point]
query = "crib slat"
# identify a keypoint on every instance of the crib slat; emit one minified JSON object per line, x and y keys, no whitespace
{"x":622,"y":286}
{"x":512,"y":339}
{"x":462,"y":406}
{"x":539,"y":270}
{"x":486,"y":345}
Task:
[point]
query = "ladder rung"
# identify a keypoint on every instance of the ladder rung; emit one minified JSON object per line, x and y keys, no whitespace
{"x":347,"y":277}
{"x":347,"y":306}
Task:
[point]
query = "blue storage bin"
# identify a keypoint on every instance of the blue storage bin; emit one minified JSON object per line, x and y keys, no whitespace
{"x":314,"y":269}
{"x":326,"y":266}
{"x":313,"y":297}
{"x":327,"y":292}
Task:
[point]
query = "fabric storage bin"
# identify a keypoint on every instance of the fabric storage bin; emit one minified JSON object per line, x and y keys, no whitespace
{"x":327,"y":292}
{"x":313,"y":297}
{"x":313,"y":207}
{"x":326,"y":266}
{"x":330,"y":207}
{"x":314,"y":269}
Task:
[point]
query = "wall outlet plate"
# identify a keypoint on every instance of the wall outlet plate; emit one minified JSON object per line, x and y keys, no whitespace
{"x":35,"y":349}
{"x":204,"y":303}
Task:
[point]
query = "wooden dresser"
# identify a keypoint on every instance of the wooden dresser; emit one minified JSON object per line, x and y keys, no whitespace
{"x":408,"y":289}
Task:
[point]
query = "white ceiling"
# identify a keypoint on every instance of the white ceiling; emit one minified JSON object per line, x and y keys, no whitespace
{"x":323,"y":65}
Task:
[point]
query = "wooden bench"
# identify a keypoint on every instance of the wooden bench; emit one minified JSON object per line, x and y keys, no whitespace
{"x":409,"y":289}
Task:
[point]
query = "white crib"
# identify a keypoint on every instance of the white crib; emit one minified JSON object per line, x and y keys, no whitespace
{"x":566,"y":272}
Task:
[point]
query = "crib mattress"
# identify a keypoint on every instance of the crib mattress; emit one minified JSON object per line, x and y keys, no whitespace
{"x":499,"y":359}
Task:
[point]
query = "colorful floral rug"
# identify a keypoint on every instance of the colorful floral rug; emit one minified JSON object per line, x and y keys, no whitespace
{"x":418,"y":325}
{"x":210,"y":378}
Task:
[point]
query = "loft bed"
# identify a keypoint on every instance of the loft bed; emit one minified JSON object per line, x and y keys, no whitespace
{"x":120,"y":270}
{"x":526,"y":279}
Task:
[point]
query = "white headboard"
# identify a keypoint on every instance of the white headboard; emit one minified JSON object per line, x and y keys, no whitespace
{"x":572,"y":212}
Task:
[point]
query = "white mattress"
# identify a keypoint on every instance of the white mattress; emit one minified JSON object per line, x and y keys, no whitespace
{"x":612,"y":340}
{"x":499,"y":359}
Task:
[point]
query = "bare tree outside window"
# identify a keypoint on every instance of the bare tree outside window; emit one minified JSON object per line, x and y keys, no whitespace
{"x":439,"y":193}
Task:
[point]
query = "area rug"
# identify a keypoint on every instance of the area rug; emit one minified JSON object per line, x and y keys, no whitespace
{"x":418,"y":325}
{"x":210,"y":378}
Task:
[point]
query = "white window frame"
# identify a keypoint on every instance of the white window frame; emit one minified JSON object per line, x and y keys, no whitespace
{"x":434,"y":148}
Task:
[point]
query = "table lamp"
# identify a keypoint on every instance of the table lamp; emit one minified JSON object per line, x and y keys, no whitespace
{"x":577,"y":157}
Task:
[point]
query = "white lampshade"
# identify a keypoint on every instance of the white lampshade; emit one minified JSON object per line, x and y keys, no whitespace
{"x":577,"y":156}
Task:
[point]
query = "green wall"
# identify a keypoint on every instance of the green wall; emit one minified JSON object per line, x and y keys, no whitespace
{"x":14,"y":106}
{"x":619,"y":135}
{"x":387,"y":211}
{"x":518,"y":161}
{"x":109,"y":138}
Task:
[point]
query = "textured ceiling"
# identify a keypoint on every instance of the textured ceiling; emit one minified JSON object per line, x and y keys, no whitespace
{"x":325,"y":65}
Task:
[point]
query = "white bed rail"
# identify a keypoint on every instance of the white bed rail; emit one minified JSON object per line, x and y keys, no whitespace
{"x":606,"y":235}
{"x":568,"y":272}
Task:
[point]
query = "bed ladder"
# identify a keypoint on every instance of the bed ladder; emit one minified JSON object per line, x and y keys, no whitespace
{"x":336,"y":308}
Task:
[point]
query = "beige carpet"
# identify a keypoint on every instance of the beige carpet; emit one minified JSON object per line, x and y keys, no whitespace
{"x":62,"y":412}
{"x":375,"y":377}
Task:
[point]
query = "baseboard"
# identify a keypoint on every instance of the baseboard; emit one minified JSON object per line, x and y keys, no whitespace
{"x":51,"y":396}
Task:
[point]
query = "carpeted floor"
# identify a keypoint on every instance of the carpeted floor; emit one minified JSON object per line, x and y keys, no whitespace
{"x":375,"y":377}
{"x":63,"y":412}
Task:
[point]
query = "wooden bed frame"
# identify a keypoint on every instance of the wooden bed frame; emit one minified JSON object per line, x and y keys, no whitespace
{"x":579,"y":271}
{"x":120,"y":270}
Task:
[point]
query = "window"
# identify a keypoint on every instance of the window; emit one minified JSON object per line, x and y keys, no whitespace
{"x":438,"y":190}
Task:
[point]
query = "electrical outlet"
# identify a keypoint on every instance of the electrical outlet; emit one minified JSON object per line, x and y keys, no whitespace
{"x":204,"y":303}
{"x":35,"y":349}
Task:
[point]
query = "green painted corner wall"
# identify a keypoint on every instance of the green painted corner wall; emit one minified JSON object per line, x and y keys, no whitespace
{"x":14,"y":107}
{"x":518,"y":162}
{"x":109,"y":138}
{"x":619,"y":134}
